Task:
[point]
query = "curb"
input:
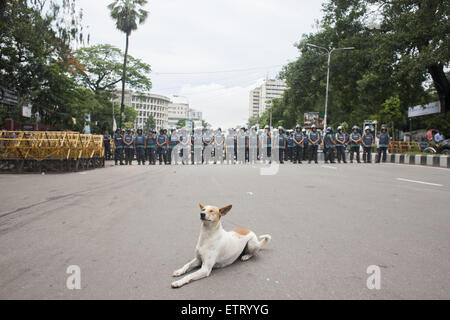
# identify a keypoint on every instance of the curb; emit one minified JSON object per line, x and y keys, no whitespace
{"x":422,"y":160}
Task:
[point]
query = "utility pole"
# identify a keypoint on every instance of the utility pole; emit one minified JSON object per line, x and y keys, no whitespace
{"x":329,"y":52}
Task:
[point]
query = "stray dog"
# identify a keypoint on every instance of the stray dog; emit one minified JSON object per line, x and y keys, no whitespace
{"x":217,"y":248}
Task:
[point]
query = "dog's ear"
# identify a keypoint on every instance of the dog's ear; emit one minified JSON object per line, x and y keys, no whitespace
{"x":223,"y":211}
{"x":202,"y":207}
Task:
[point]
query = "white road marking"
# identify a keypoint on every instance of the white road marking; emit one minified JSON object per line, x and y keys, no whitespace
{"x":250,"y":193}
{"x":329,"y":167}
{"x":421,"y":182}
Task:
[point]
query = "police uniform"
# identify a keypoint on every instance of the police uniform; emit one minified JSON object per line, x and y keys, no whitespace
{"x":162,"y":147}
{"x":354,"y":146}
{"x":218,"y":147}
{"x":314,"y":142}
{"x":305,"y":145}
{"x":298,"y":146}
{"x":290,"y":147}
{"x":129,"y":148}
{"x":139,"y":141}
{"x":207,"y":147}
{"x":198,"y":144}
{"x":383,"y":144}
{"x":280,"y":145}
{"x":267,"y":146}
{"x":367,"y":147}
{"x":173,"y":143}
{"x":118,"y":143}
{"x":340,"y":146}
{"x":230,"y":147}
{"x":253,"y":147}
{"x":328,"y":147}
{"x":151,"y":148}
{"x":107,"y":144}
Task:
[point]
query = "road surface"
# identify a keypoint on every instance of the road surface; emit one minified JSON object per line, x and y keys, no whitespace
{"x":129,"y":228}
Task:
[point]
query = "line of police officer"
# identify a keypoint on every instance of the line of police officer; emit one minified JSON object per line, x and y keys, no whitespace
{"x":241,"y":146}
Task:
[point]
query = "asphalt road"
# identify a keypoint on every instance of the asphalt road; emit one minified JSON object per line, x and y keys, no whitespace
{"x":129,"y":228}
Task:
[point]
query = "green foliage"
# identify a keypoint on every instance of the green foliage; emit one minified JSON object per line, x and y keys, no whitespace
{"x":149,"y":123}
{"x":181,"y":123}
{"x":128,"y":14}
{"x":101,"y":69}
{"x":391,"y":66}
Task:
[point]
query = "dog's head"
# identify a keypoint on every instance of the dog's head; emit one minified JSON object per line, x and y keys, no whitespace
{"x":212,"y":213}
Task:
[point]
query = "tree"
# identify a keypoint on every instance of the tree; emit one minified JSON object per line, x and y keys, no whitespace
{"x":417,"y":33}
{"x":100,"y":69}
{"x":127,"y":13}
{"x":149,"y":123}
{"x":36,"y":58}
{"x":181,"y":123}
{"x":363,"y":80}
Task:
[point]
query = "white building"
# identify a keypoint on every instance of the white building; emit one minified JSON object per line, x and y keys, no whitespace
{"x":260,"y":97}
{"x":195,"y":115}
{"x":147,"y":104}
{"x":254,"y":102}
{"x":178,"y":110}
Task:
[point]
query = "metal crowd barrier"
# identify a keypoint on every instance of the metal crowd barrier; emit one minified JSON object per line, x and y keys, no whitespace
{"x":38,"y":151}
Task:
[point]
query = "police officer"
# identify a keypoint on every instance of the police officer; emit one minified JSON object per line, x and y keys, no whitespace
{"x":128,"y":141}
{"x":314,"y":142}
{"x":305,"y":144}
{"x":208,"y":140}
{"x":219,"y":141}
{"x":118,"y":143}
{"x":289,"y":156}
{"x":161,"y":143}
{"x":139,"y":143}
{"x":328,"y":146}
{"x":340,"y":144}
{"x":383,"y":143}
{"x":241,"y":146}
{"x":151,"y":147}
{"x":355,"y":142}
{"x":266,"y":144}
{"x":298,"y":140}
{"x":198,"y":146}
{"x":253,"y":146}
{"x":173,"y":143}
{"x":367,"y":142}
{"x":229,"y":140}
{"x":107,"y":145}
{"x":280,"y":144}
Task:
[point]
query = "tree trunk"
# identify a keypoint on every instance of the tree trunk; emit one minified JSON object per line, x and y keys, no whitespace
{"x":441,"y":84}
{"x":124,"y":80}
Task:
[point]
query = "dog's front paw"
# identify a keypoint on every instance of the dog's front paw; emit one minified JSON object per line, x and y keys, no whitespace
{"x":177,"y":284}
{"x":177,"y":273}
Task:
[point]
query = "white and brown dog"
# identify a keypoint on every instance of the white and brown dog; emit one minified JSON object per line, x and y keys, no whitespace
{"x":217,"y":248}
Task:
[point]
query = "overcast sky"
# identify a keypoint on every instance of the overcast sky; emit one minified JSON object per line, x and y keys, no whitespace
{"x":255,"y":37}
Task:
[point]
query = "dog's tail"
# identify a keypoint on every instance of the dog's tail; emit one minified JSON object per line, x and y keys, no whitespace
{"x":265,"y":238}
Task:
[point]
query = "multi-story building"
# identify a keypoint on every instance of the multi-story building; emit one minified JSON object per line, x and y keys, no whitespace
{"x":147,"y":104}
{"x":178,"y":110}
{"x":261,"y":97}
{"x":254,"y":102}
{"x":195,"y":115}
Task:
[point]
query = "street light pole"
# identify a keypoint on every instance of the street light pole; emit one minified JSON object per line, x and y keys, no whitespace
{"x":329,"y":52}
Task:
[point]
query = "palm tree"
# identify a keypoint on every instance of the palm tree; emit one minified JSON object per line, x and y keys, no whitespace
{"x":128,"y":14}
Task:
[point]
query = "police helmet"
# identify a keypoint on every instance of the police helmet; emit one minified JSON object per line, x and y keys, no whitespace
{"x":329,"y":130}
{"x":366,"y":128}
{"x":313,"y":127}
{"x":303,"y":130}
{"x":280,"y":128}
{"x":383,"y":127}
{"x":267,"y":127}
{"x":355,"y":128}
{"x":298,"y":127}
{"x":340,"y":128}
